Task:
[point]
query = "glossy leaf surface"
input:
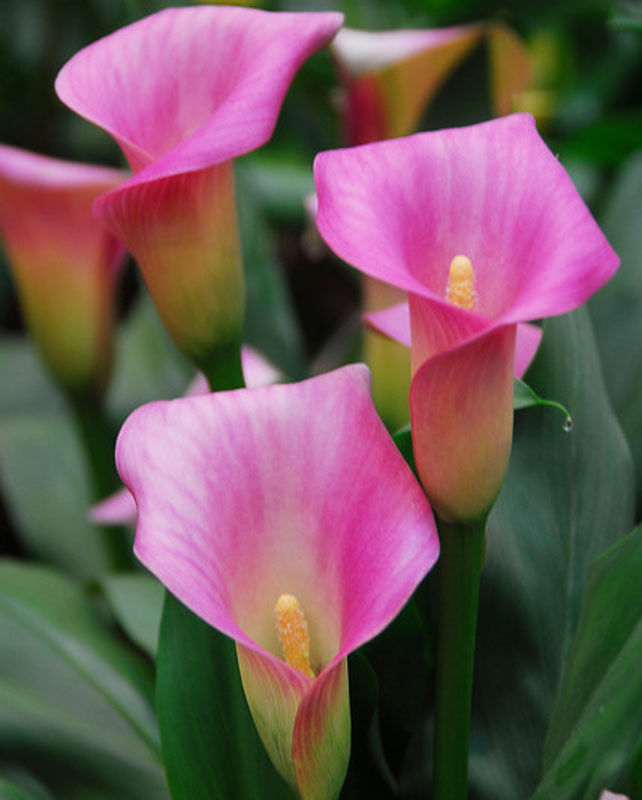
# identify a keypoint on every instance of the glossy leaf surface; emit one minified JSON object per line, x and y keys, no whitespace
{"x":567,"y":497}
{"x":210,"y":745}
{"x":75,"y":705}
{"x":594,"y":730}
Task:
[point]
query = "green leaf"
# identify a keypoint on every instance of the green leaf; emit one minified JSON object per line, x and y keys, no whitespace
{"x":15,"y":779}
{"x":627,"y":16}
{"x":617,"y":308}
{"x":9,"y":791}
{"x":270,"y":323}
{"x":596,"y":723}
{"x":211,"y":747}
{"x":24,"y":383}
{"x":75,"y":705}
{"x":567,"y":497}
{"x":403,"y":439}
{"x":137,"y":602}
{"x":368,"y":772}
{"x":608,"y":141}
{"x":525,"y":397}
{"x":147,"y":365}
{"x":279,"y":184}
{"x":44,"y":480}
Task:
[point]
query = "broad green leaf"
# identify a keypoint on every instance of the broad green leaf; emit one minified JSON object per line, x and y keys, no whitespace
{"x":137,"y":602}
{"x":403,"y":439}
{"x":279,"y":185}
{"x":24,"y":383}
{"x":525,"y":397}
{"x":567,"y":497}
{"x":608,"y":141}
{"x":617,"y":308}
{"x":15,"y":779}
{"x":44,"y":481}
{"x":596,"y":722}
{"x":75,"y":705}
{"x":147,"y":365}
{"x":211,"y":748}
{"x":9,"y":791}
{"x":627,"y":15}
{"x":368,"y":773}
{"x":270,"y":323}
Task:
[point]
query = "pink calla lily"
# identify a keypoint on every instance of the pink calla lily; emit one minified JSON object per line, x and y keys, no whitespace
{"x":243,"y":496}
{"x":394,"y":324}
{"x":403,"y":211}
{"x":184,"y":92}
{"x":64,"y":262}
{"x":390,"y":77}
{"x":120,"y":508}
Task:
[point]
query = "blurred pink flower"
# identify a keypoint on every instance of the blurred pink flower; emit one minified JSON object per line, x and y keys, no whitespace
{"x":288,"y":499}
{"x":390,"y":77}
{"x":184,"y":92}
{"x":484,"y":230}
{"x":64,"y":262}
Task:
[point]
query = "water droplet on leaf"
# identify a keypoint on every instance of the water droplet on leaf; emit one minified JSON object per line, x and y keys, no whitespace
{"x":567,"y":425}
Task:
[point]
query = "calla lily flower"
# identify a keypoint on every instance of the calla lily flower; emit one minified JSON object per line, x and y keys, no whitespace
{"x":394,"y":324}
{"x":64,"y":262}
{"x":390,"y":77}
{"x":484,"y":230}
{"x":120,"y":508}
{"x":184,"y":92}
{"x":286,"y":504}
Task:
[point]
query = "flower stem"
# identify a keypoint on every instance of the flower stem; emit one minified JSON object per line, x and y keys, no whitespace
{"x":462,"y":551}
{"x":98,"y":438}
{"x":222,"y":368}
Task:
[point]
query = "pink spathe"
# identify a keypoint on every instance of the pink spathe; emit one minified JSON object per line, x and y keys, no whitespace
{"x":65,"y":263}
{"x":243,"y":496}
{"x":184,"y":92}
{"x":401,"y":211}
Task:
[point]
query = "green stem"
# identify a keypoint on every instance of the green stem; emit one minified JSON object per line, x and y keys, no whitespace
{"x":460,"y":562}
{"x":98,"y":439}
{"x":222,"y":368}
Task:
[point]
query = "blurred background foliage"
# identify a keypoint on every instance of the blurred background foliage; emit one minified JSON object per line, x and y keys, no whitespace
{"x":303,"y":313}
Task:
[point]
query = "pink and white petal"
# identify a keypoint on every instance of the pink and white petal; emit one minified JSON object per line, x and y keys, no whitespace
{"x":274,"y":692}
{"x":606,"y":795}
{"x":245,"y":495}
{"x":321,"y":740}
{"x":23,"y":168}
{"x":510,"y":67}
{"x":257,"y":370}
{"x":401,"y":210}
{"x":393,"y":322}
{"x":117,"y":509}
{"x":527,"y":342}
{"x":391,"y":76}
{"x":366,"y":52}
{"x":183,"y":233}
{"x":461,"y":405}
{"x":437,"y":326}
{"x":202,"y":84}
